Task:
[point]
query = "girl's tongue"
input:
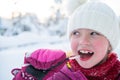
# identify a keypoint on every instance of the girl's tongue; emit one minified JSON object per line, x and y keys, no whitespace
{"x":85,"y":55}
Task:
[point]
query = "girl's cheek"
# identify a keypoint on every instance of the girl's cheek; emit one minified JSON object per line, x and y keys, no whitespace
{"x":99,"y":44}
{"x":73,"y":45}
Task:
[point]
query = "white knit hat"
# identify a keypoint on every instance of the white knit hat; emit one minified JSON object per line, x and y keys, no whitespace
{"x":97,"y":16}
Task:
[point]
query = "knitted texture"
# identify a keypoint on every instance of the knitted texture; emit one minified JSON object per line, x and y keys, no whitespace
{"x":106,"y":71}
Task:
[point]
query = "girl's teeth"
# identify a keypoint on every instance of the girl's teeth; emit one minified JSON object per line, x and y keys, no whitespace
{"x":86,"y":52}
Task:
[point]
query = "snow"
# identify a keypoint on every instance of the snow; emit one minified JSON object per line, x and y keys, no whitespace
{"x":14,"y":48}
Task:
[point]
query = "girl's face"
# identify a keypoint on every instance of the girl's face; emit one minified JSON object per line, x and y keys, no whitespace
{"x":91,"y":46}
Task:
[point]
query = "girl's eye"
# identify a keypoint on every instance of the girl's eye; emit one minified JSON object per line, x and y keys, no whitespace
{"x":75,"y":33}
{"x":94,"y":33}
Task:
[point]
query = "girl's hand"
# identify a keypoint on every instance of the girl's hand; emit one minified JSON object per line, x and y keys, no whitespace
{"x":43,"y":62}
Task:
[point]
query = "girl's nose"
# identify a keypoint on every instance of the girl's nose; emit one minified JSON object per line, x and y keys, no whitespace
{"x":84,"y":39}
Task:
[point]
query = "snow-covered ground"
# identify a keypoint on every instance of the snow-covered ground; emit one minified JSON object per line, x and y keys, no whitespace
{"x":12,"y":49}
{"x":16,"y":40}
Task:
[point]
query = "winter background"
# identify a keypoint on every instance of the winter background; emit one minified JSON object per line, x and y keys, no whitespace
{"x":24,"y":28}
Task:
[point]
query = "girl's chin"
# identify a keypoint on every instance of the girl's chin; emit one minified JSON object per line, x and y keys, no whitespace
{"x":87,"y":64}
{"x":86,"y":67}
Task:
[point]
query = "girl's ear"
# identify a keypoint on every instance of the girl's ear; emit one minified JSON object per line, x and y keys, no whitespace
{"x":109,"y":48}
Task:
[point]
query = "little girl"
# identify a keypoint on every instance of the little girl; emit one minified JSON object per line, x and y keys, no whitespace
{"x":94,"y":34}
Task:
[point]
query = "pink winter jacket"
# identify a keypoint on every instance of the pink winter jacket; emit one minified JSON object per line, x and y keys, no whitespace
{"x":46,"y":64}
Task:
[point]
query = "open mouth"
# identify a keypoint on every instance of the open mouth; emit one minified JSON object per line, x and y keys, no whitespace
{"x":85,"y":54}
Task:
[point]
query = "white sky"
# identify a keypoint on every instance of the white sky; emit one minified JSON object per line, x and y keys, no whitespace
{"x":39,"y":7}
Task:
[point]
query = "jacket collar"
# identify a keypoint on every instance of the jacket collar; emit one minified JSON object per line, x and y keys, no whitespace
{"x":109,"y":69}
